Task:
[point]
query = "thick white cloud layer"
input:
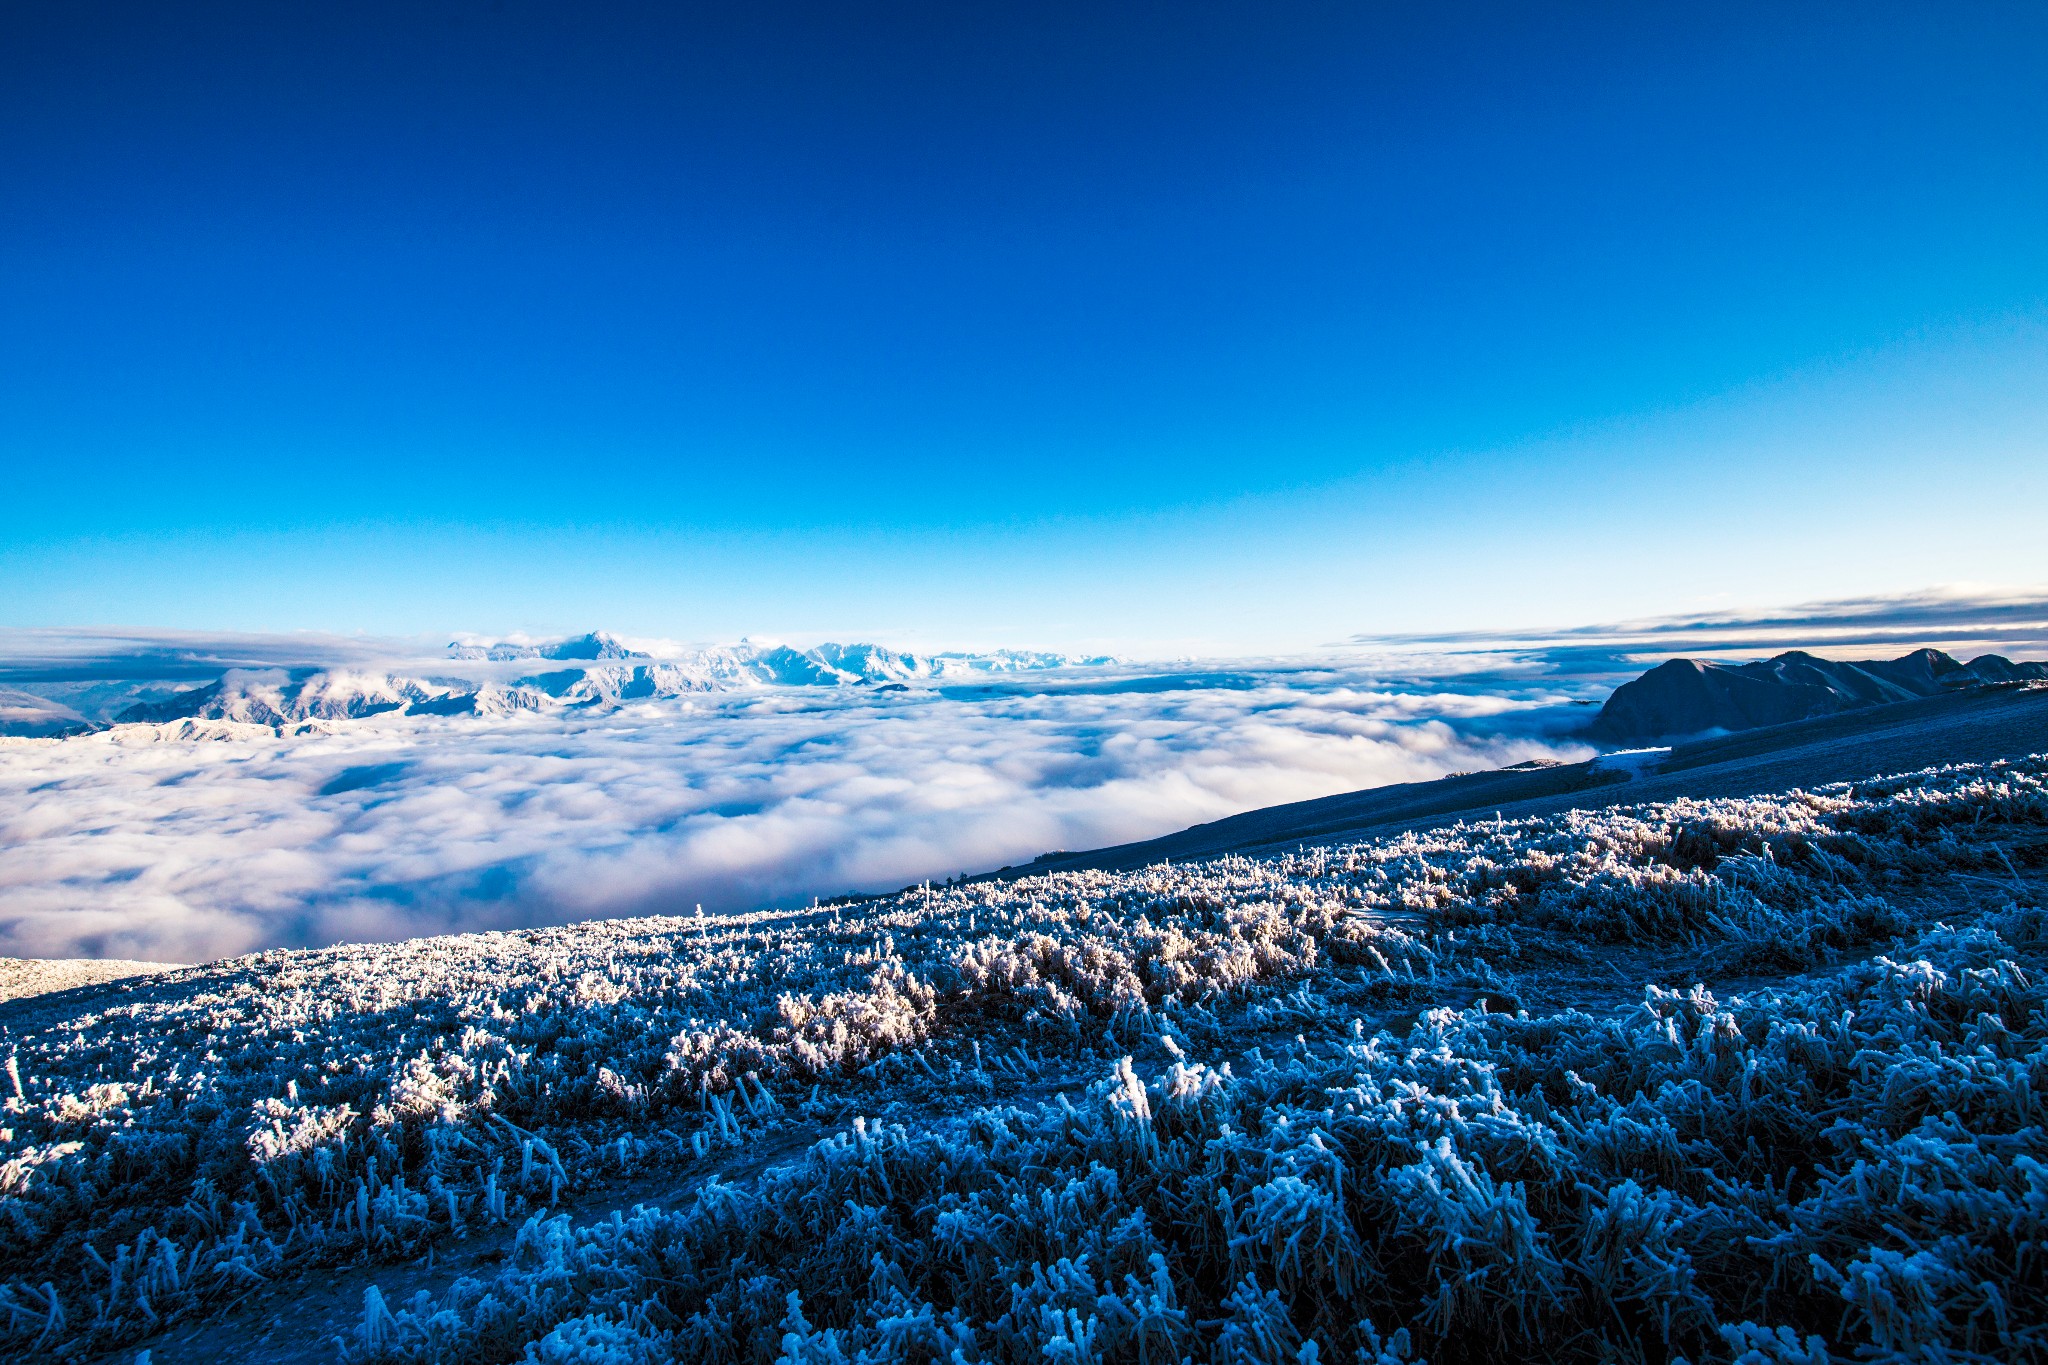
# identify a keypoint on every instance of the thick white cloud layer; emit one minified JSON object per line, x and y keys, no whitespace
{"x":140,"y":844}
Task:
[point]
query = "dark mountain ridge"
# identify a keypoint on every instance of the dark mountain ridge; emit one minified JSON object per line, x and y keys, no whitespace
{"x":1956,"y":725}
{"x":1684,"y":697}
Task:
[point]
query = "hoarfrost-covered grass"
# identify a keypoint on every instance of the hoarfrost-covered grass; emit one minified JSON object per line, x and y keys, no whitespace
{"x":26,"y":976}
{"x":1383,"y":1102}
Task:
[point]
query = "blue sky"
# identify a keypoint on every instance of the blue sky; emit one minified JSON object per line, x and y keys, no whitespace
{"x":1193,"y":327}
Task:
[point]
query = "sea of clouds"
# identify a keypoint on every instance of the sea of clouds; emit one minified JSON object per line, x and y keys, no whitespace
{"x":146,"y":842}
{"x":139,"y":843}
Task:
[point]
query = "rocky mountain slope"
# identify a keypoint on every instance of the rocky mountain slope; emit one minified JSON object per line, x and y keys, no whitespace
{"x":598,"y":644}
{"x":1686,"y":697}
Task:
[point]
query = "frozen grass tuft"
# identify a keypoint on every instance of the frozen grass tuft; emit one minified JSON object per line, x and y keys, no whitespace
{"x":1373,"y":1103}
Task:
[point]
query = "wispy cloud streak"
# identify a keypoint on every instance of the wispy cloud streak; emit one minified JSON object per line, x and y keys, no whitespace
{"x":29,"y":655}
{"x":1962,"y":621}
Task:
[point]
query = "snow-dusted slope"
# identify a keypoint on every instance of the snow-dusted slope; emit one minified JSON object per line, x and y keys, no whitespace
{"x":22,"y":977}
{"x":27,"y":715}
{"x":1456,"y":1096}
{"x":280,"y":696}
{"x":598,"y":644}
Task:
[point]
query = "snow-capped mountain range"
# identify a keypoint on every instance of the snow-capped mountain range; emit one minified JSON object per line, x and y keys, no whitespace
{"x":592,"y":670}
{"x":598,"y":644}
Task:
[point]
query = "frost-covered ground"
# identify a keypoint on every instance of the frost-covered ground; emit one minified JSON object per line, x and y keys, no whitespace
{"x":196,"y":838}
{"x":21,"y":977}
{"x":1754,"y":1080}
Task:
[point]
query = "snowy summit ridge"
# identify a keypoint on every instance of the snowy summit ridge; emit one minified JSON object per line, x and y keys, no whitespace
{"x":483,"y":678}
{"x":598,"y":644}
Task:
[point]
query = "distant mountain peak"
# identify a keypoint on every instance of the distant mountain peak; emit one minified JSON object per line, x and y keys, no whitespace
{"x":592,"y":646}
{"x":1681,"y":697}
{"x":598,"y":644}
{"x":591,"y":670}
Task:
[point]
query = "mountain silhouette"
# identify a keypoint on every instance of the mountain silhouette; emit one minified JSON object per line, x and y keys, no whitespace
{"x":1694,"y":696}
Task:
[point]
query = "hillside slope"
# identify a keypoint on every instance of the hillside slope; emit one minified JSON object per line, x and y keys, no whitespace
{"x":1578,"y":1087}
{"x":1972,"y":726}
{"x":1684,"y":697}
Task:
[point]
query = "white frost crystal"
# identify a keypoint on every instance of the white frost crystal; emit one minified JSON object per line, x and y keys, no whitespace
{"x":1383,"y":1102}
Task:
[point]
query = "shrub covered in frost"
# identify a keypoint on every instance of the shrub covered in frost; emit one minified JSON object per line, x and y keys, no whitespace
{"x":1235,"y":1165}
{"x":1854,"y":1164}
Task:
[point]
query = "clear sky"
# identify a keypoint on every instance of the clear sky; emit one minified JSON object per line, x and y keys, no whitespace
{"x":1183,"y":325}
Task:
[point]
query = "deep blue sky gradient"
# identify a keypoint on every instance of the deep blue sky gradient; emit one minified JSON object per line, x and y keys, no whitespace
{"x":1217,"y":324}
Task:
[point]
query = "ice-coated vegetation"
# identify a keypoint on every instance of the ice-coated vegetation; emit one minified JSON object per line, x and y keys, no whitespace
{"x":1754,"y":1080}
